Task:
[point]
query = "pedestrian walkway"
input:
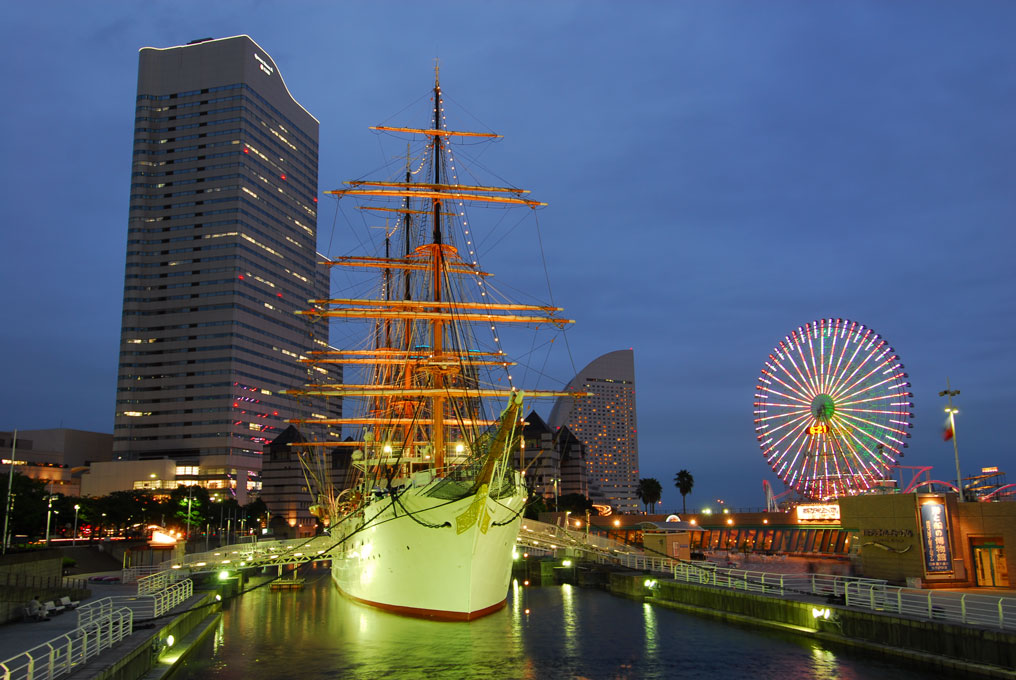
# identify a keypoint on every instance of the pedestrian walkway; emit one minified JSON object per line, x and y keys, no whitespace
{"x":20,"y":636}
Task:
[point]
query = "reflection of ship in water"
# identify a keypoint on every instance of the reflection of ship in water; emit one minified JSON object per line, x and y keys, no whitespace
{"x":430,"y":522}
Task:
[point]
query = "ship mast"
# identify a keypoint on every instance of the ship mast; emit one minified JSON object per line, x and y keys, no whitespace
{"x":437,"y":405}
{"x":432,"y":388}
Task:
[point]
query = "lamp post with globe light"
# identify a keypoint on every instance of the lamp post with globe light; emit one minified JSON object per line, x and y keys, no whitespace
{"x":74,"y":541}
{"x":49,"y":513}
{"x":952,"y":411}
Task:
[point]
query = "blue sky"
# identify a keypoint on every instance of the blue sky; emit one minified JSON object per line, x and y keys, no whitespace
{"x":717,"y":174}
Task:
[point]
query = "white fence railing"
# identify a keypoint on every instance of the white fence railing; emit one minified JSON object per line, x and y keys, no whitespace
{"x":156,"y":581}
{"x":146,"y":606}
{"x":171,"y":596}
{"x":986,"y":611}
{"x":135,"y":574}
{"x":62,"y":654}
{"x":974,"y":609}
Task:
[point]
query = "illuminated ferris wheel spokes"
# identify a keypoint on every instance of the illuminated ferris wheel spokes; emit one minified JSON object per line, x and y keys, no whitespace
{"x":831,"y":409}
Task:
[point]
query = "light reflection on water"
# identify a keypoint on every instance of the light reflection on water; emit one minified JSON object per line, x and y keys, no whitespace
{"x":569,"y":633}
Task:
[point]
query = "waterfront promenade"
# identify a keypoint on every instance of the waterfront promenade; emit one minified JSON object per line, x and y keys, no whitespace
{"x":692,"y":597}
{"x":20,"y":636}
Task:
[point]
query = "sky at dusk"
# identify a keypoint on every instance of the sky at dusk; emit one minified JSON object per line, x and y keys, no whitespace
{"x":717,"y":174}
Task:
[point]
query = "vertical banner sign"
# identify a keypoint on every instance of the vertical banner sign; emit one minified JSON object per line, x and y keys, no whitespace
{"x":935,"y":532}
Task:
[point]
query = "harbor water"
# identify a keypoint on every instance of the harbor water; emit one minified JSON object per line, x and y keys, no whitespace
{"x":543,"y":632}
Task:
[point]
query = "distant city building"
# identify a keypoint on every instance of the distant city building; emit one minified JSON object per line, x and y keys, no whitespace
{"x":551,"y":460}
{"x":221,"y":251}
{"x":162,"y":475}
{"x":57,"y":456}
{"x":606,"y":425}
{"x":285,"y":491}
{"x":574,"y":470}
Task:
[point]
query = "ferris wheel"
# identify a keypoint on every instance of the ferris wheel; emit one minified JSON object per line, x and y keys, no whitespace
{"x":832,"y":409}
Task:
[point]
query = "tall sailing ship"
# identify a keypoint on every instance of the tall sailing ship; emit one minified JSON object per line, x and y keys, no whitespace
{"x":429,"y":522}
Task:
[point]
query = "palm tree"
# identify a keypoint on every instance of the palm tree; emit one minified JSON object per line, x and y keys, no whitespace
{"x":649,"y":492}
{"x":684,"y":483}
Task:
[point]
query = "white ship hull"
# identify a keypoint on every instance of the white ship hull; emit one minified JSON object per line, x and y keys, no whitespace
{"x":450,"y":560}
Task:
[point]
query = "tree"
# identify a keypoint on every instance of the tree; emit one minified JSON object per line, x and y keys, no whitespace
{"x":684,"y":483}
{"x":254,"y":511}
{"x":575,"y":503}
{"x":29,"y":509}
{"x":191,"y":506}
{"x":649,"y":491}
{"x":535,"y":506}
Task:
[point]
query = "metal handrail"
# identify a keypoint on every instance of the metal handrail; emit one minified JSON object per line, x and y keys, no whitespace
{"x":61,"y":654}
{"x":974,"y":609}
{"x":157,"y":581}
{"x":857,"y":593}
{"x":144,"y":606}
{"x":171,"y":596}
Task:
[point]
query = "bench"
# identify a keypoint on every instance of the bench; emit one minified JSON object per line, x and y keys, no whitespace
{"x":39,"y":615}
{"x":68,"y":603}
{"x":52,"y":608}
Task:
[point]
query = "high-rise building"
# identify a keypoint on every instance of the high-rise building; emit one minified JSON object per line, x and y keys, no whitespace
{"x":286,"y":492}
{"x":221,"y":250}
{"x":605,"y":423}
{"x":552,"y":461}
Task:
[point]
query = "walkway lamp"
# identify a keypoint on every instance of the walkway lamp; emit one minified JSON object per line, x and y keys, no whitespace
{"x":49,"y":515}
{"x":951,"y":432}
{"x":74,"y":541}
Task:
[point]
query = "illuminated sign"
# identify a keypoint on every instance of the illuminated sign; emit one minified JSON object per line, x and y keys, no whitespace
{"x":265,"y":66}
{"x":989,"y":470}
{"x":672,"y":518}
{"x":935,"y":538}
{"x":818,"y":512}
{"x":821,"y":428}
{"x":8,"y":461}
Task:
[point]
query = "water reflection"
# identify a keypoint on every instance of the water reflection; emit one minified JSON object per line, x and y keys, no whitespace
{"x":649,"y":623}
{"x":569,"y":633}
{"x":569,"y":619}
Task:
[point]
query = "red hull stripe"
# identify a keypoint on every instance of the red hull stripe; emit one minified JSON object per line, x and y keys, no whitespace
{"x":432,"y":614}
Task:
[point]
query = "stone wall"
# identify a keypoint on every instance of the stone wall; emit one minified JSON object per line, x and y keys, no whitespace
{"x":25,"y":575}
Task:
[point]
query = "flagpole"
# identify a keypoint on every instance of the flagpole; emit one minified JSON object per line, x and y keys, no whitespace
{"x":950,"y":393}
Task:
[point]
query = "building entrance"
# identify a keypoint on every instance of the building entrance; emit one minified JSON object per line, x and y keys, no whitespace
{"x":989,"y":562}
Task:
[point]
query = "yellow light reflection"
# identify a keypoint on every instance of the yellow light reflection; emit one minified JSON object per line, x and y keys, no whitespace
{"x":570,"y":622}
{"x":649,"y":623}
{"x":824,"y":665}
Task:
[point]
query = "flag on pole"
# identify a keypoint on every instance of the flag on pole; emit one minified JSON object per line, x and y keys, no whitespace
{"x":947,"y":430}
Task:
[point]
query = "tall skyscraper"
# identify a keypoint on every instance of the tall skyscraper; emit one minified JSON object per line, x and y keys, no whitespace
{"x":605,"y":423}
{"x":221,"y":250}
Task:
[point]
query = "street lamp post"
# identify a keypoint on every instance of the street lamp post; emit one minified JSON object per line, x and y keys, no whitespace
{"x":190,"y":491}
{"x":74,"y":541}
{"x":952,"y":411}
{"x":49,"y":515}
{"x":9,"y":505}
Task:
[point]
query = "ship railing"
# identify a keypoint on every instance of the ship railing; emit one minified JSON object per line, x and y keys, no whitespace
{"x":65,"y":653}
